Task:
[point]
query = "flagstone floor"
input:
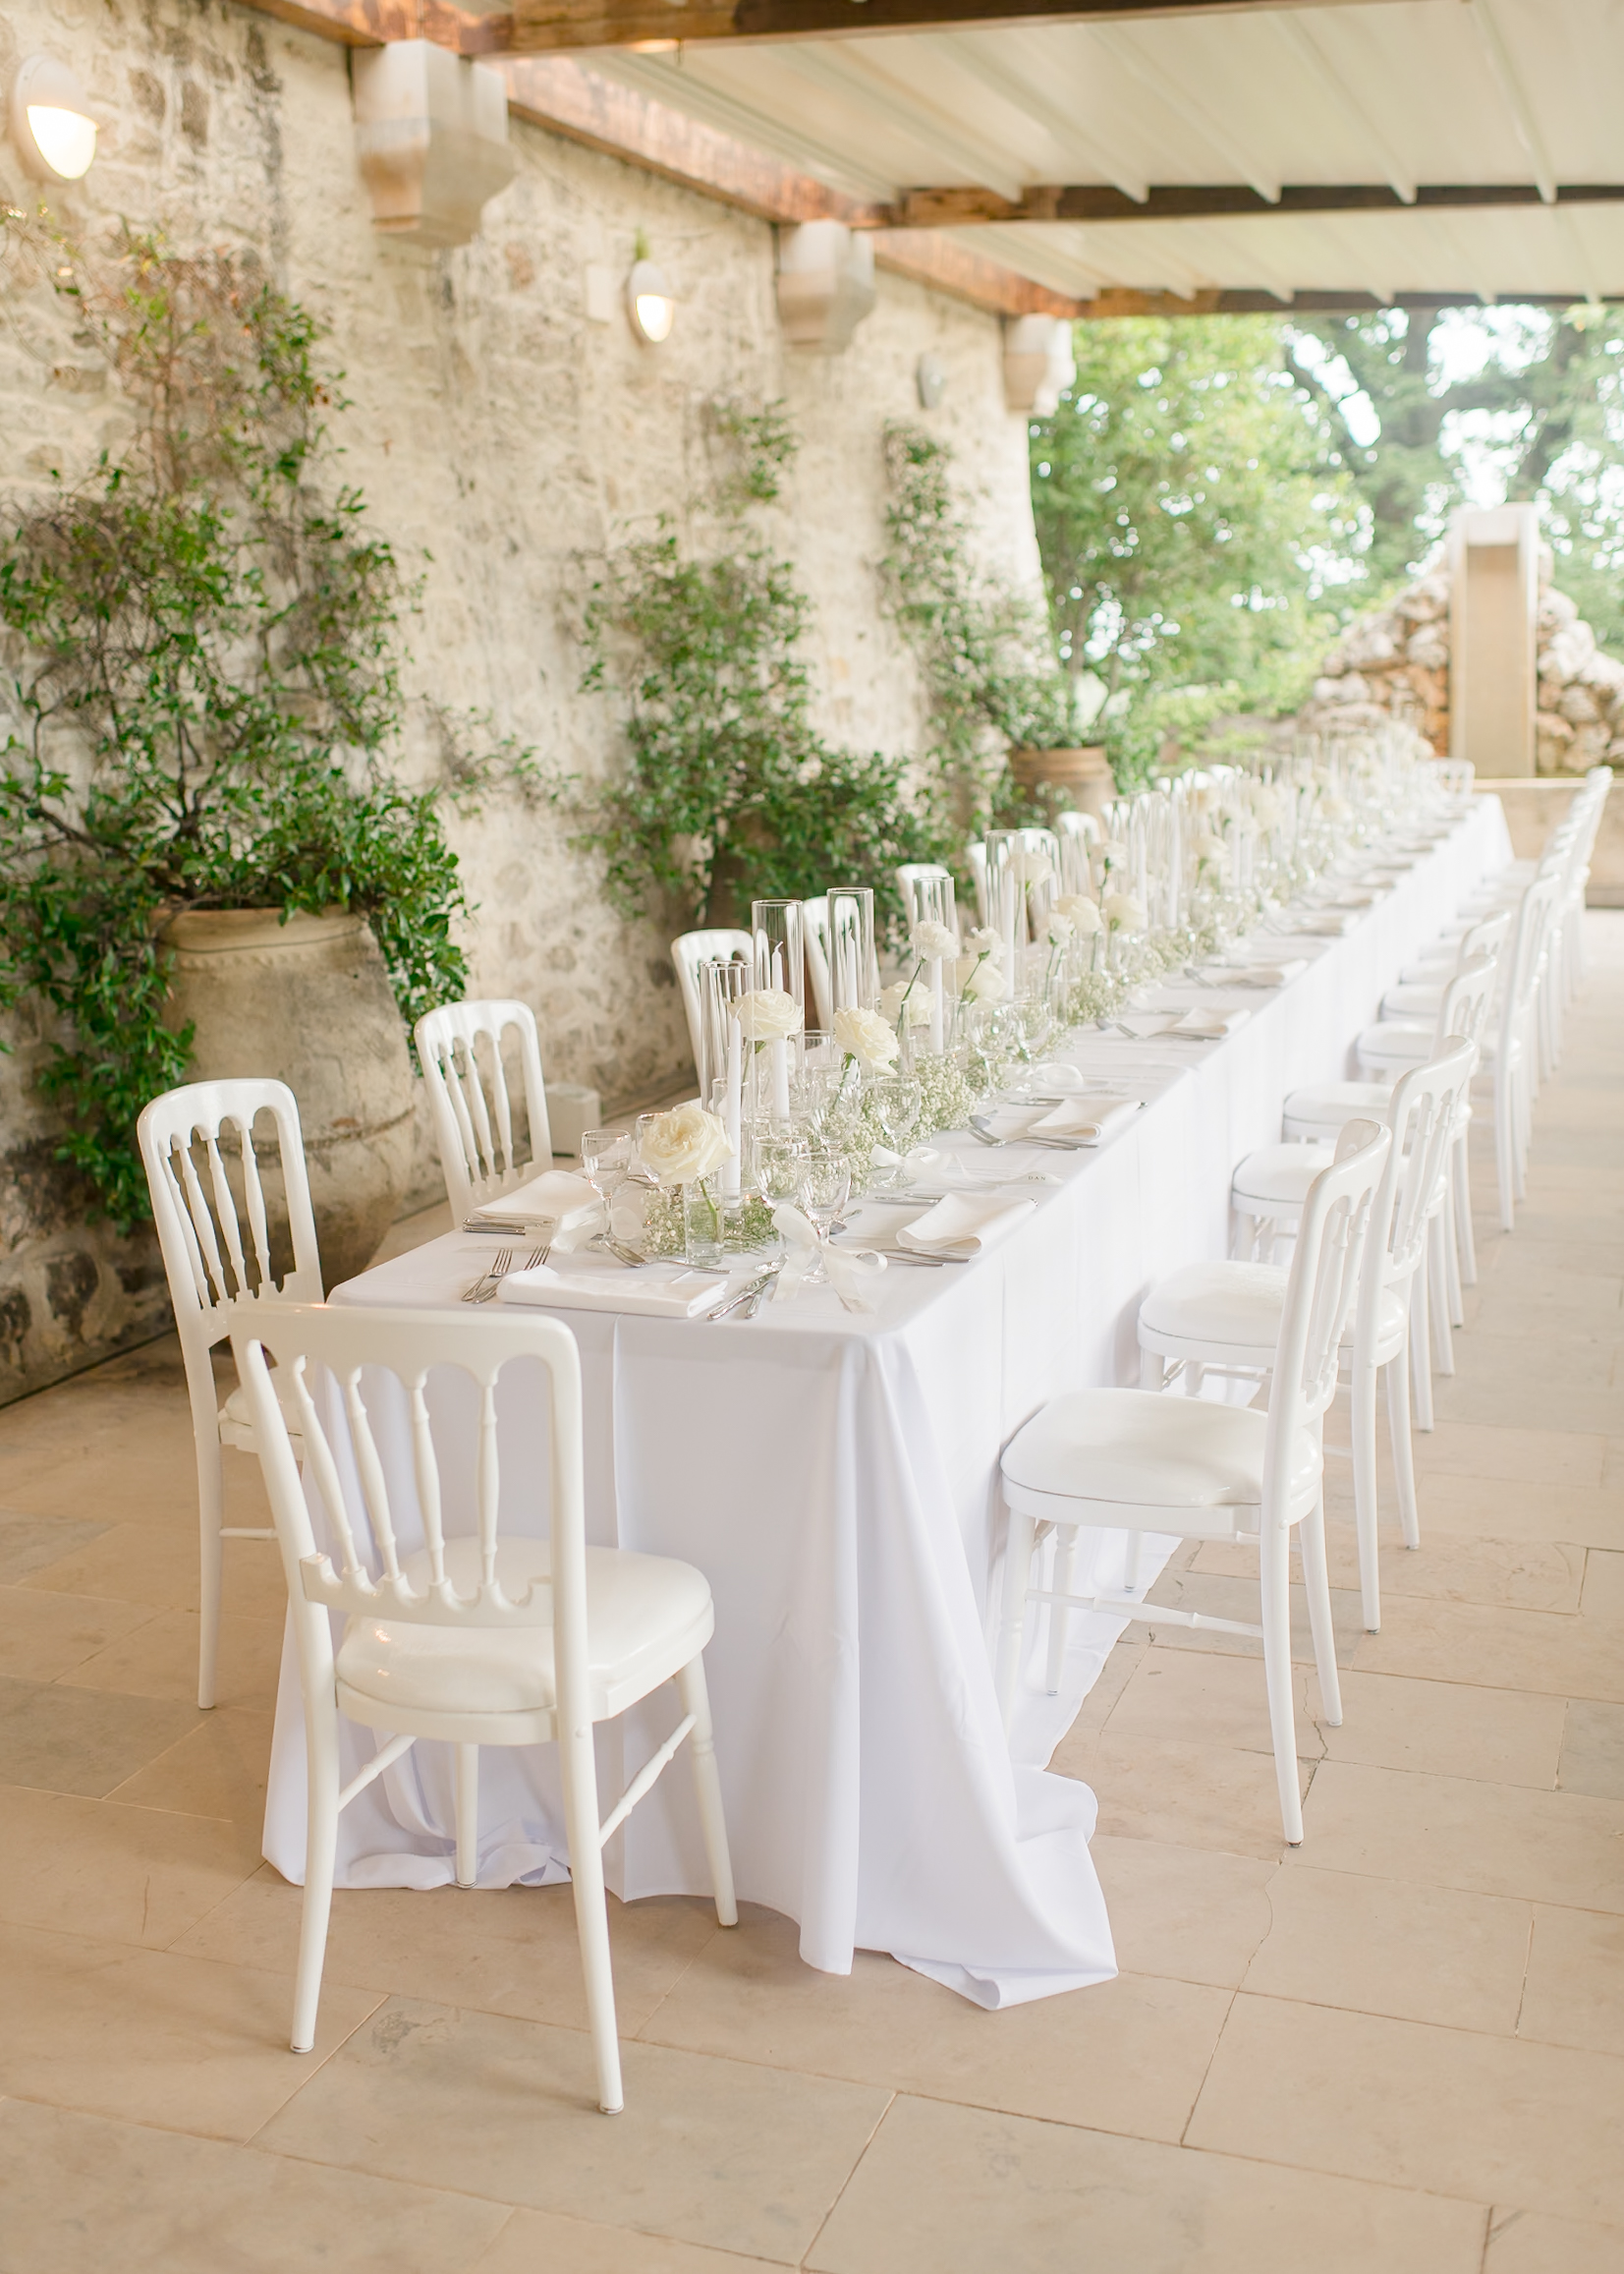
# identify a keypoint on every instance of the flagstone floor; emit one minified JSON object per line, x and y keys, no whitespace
{"x":1399,"y":2048}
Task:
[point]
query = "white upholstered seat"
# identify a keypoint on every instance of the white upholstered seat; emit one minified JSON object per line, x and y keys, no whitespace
{"x":1141,"y":1450}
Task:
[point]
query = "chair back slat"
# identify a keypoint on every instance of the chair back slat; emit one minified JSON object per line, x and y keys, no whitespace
{"x":460,"y":1050}
{"x":1423,"y":1119}
{"x":375,"y":1355}
{"x":200,"y":1219}
{"x":1465,"y":1007}
{"x":1322,"y":1290}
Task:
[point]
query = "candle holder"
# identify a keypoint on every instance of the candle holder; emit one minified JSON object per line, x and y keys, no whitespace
{"x":854,"y":968}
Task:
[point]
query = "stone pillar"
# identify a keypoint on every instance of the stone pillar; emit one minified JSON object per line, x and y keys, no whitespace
{"x":1494,"y":601}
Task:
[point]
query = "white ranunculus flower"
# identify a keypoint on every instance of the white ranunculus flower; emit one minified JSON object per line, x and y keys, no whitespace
{"x":685,"y":1144}
{"x":864,"y":1036}
{"x":987,"y":941}
{"x":932,"y":942}
{"x":1030,"y":867}
{"x":1061,"y":929}
{"x":1082,"y":913}
{"x":1123,"y":913}
{"x":987,"y":983}
{"x":769,"y":1015}
{"x":893,"y":998}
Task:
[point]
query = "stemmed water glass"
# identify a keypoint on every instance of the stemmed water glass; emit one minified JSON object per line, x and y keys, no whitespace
{"x":825,"y":1188}
{"x":899,"y":1106}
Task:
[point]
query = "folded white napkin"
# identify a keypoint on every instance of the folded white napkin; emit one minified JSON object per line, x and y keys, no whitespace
{"x":1066,"y":1081}
{"x":1090,"y":1120}
{"x":1208,"y":1025}
{"x":1259,"y":974}
{"x":1327,"y":925}
{"x":558,"y":1196}
{"x":961,"y":1226}
{"x":930,"y":1169}
{"x":613,"y":1290}
{"x":851,"y":1272}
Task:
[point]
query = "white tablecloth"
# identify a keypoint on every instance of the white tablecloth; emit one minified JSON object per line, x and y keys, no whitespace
{"x":835,"y":1478}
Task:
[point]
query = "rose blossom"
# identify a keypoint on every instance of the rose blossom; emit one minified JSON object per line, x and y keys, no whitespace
{"x":769,"y":1015}
{"x":932,"y":942}
{"x":1061,"y":929}
{"x":893,"y":998}
{"x":1030,"y":867}
{"x":986,"y":984}
{"x":1081,"y":912}
{"x":864,"y":1036}
{"x":986,"y":943}
{"x":1123,"y":913}
{"x":685,"y":1144}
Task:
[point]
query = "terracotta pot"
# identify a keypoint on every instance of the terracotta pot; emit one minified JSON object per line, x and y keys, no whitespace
{"x":1085,"y":775}
{"x":309,"y":1002}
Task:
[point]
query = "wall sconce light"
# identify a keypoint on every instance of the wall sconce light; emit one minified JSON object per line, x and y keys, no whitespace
{"x":825,"y":284}
{"x":650,"y":300}
{"x":931,"y":379}
{"x":52,"y":123}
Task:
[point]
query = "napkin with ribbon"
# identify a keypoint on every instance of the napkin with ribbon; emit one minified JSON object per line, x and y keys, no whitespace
{"x":682,"y":1296}
{"x":557,"y":1197}
{"x":1086,"y":1120}
{"x":961,"y":1226}
{"x":851,"y":1272}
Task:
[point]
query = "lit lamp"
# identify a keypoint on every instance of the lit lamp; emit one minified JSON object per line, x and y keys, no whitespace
{"x":51,"y":121}
{"x":651,"y":301}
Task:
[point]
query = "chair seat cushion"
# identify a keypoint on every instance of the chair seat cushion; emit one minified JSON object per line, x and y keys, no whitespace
{"x":1328,"y":1105}
{"x":647,"y":1615}
{"x":1414,"y":998}
{"x":1234,"y":1306}
{"x":237,"y":1413}
{"x":1136,"y":1448}
{"x":1396,"y":1042}
{"x":1280,"y":1174}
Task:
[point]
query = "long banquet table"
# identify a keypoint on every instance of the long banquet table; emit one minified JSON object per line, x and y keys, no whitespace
{"x":835,"y":1478}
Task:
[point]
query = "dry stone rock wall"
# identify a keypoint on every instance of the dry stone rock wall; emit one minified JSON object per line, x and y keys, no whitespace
{"x":1398,"y":657}
{"x":504,"y":440}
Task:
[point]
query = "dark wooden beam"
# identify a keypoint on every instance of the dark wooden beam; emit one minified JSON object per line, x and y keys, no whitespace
{"x":1310,"y":299}
{"x":959,"y":208}
{"x":537,"y":26}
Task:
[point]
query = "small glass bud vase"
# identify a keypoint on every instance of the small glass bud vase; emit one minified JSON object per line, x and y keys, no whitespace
{"x":704,"y":1220}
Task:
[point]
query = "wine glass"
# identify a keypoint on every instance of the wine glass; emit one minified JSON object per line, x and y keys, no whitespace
{"x":605,"y":1161}
{"x":779,"y":1153}
{"x":899,"y":1106}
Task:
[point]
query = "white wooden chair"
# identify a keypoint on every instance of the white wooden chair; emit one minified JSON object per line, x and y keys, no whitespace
{"x":215,"y":1277}
{"x":460,"y":1050}
{"x":1225,"y":1317}
{"x":478,"y":1636}
{"x":1139,"y":1459}
{"x":912,"y":874}
{"x":688,"y":952}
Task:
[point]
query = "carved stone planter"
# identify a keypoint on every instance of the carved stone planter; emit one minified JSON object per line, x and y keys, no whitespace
{"x":1085,"y":775}
{"x":307,"y":1001}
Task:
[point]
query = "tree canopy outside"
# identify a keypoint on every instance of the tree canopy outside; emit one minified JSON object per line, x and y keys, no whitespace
{"x":1215,"y":494}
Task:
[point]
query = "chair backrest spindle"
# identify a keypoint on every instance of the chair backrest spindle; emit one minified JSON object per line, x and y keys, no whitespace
{"x":460,"y":1050}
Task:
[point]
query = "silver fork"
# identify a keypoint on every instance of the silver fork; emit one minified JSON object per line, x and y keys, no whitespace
{"x":500,"y":1264}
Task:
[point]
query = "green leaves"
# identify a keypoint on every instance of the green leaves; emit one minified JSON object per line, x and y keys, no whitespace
{"x":211,"y":648}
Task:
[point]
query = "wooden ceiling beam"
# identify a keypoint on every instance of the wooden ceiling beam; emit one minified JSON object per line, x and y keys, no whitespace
{"x":539,"y":26}
{"x":1309,"y":300}
{"x":960,"y":208}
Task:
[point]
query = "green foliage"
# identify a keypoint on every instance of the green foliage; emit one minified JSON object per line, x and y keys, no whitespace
{"x":208,"y":683}
{"x":987,"y":654}
{"x":1194,"y":523}
{"x":1478,"y":404}
{"x":729,"y":793}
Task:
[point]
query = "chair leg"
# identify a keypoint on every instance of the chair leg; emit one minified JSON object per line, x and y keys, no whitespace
{"x":1064,"y":1559}
{"x":1152,"y":1369}
{"x":1365,"y":1495}
{"x":1404,"y":1462}
{"x":1437,"y":1299}
{"x":578,"y":1760}
{"x":1131,"y":1556}
{"x":320,"y":1853}
{"x":1012,"y":1617}
{"x":1466,"y":1238}
{"x":1275,"y":1577}
{"x":1317,"y":1587}
{"x":707,"y":1789}
{"x":1505,"y":1144}
{"x":1450,"y":1252}
{"x":211,"y":1549}
{"x":1420,"y":1349}
{"x":467,"y":1815}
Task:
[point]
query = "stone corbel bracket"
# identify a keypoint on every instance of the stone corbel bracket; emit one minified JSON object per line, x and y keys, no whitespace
{"x":825,"y":284}
{"x":431,"y":134}
{"x":1039,"y":364}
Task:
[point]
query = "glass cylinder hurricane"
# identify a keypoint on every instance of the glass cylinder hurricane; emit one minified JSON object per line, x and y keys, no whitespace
{"x":778,"y":948}
{"x":723,"y":1055}
{"x":854,"y":968}
{"x":933,"y":903}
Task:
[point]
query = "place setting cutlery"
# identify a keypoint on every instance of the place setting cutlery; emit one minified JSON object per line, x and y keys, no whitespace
{"x":484,"y":1287}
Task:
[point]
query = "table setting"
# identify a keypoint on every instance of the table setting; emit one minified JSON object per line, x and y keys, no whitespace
{"x":813,"y":1302}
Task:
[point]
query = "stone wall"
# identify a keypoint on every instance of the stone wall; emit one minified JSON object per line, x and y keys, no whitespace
{"x":1399,"y":655}
{"x":497,"y":428}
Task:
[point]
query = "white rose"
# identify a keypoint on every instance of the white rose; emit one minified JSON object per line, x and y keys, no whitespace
{"x":1269,"y":807}
{"x":987,"y":983}
{"x":685,"y":1144}
{"x":769,"y":1015}
{"x":1030,"y":867}
{"x":893,"y":998}
{"x":1061,"y":929}
{"x":986,"y":943}
{"x":932,"y":942}
{"x":1081,"y":912}
{"x":1123,"y":913}
{"x":1111,"y":854}
{"x":864,"y":1036}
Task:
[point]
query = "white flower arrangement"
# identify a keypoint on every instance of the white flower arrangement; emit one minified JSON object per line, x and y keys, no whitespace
{"x":864,"y":1038}
{"x":684,"y":1145}
{"x":1082,"y":913}
{"x":768,"y":1015}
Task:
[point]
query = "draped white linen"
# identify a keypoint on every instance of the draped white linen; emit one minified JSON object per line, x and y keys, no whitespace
{"x":835,"y":1478}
